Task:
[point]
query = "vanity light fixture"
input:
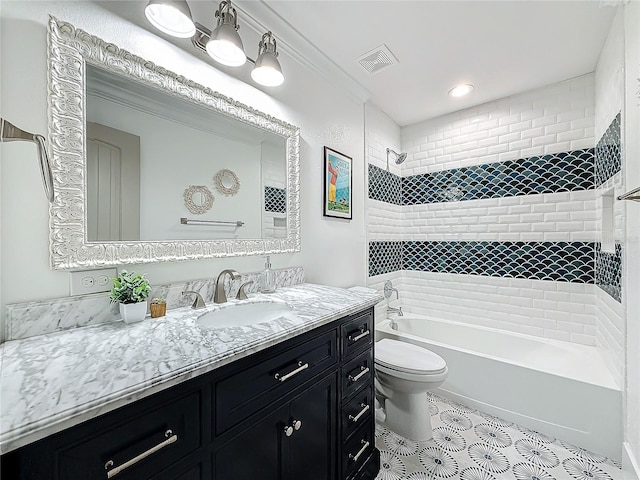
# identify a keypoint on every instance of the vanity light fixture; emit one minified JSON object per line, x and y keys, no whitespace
{"x":223,"y":44}
{"x":461,"y":90}
{"x":172,"y":17}
{"x":267,"y":70}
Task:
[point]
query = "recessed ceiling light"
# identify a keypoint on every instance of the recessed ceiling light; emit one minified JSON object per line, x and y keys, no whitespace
{"x":460,"y":90}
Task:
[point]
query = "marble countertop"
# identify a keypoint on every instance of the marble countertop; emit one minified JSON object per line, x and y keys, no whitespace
{"x":54,"y":381}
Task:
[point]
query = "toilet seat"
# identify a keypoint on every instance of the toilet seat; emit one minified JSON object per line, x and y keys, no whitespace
{"x":406,"y":358}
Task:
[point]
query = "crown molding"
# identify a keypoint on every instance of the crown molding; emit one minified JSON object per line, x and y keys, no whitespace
{"x":297,"y":46}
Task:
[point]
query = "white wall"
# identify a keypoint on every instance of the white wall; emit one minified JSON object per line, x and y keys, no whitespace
{"x":383,"y":220}
{"x":609,"y":95}
{"x":273,"y":175}
{"x":631,"y":122}
{"x":333,"y":251}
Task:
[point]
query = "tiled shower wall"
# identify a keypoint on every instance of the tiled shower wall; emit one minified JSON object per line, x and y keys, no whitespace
{"x":609,"y":83}
{"x":383,"y":218}
{"x":496,"y":222}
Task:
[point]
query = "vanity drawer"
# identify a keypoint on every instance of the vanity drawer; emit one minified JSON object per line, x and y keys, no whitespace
{"x":357,"y":412}
{"x":357,"y":449}
{"x":140,"y":448}
{"x":357,"y":334}
{"x":238,"y":396}
{"x":356,"y":373}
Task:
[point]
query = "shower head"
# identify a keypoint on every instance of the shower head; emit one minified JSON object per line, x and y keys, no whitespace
{"x":400,"y":157}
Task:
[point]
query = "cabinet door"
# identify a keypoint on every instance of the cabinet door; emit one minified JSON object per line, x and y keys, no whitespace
{"x":312,"y":447}
{"x":256,"y":453}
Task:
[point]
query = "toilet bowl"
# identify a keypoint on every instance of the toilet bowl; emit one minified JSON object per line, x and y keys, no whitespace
{"x":404,"y":373}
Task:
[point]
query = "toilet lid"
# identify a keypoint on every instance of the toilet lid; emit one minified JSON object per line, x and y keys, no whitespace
{"x":407,"y":357}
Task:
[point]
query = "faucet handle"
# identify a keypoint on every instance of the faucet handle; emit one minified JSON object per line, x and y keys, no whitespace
{"x":242,"y":295}
{"x":198,"y":302}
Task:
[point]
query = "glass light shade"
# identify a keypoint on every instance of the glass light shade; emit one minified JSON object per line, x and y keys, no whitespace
{"x":225,"y":46}
{"x":172,"y":17}
{"x":460,"y":90}
{"x":267,"y":71}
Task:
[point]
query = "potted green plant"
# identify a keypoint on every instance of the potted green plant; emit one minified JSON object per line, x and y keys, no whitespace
{"x":158,"y":307}
{"x":131,"y":290}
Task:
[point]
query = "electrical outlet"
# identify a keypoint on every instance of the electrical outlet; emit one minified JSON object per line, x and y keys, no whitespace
{"x":92,"y":281}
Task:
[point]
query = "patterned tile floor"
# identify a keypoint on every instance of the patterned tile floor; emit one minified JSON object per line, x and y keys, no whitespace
{"x":469,"y":444}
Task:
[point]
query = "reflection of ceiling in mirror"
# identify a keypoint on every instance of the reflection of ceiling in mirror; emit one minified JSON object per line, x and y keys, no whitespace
{"x":119,"y":89}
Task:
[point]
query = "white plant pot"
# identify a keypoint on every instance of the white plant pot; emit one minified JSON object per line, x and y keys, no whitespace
{"x":133,"y":312}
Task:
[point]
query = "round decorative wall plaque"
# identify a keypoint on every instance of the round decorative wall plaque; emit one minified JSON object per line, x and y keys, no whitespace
{"x":198,"y":199}
{"x":226,"y":182}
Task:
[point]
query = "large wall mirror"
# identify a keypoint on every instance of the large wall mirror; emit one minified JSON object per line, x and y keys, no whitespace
{"x":149,"y":166}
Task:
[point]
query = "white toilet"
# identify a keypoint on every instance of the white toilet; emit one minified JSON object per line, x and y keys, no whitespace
{"x":404,"y":373}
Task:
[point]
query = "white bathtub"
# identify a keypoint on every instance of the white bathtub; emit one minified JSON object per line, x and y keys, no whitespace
{"x":558,"y":388}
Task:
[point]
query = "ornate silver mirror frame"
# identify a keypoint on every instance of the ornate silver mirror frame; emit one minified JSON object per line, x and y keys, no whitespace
{"x":70,"y":49}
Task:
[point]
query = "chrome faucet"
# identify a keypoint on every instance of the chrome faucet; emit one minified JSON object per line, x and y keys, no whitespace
{"x":388,"y":291}
{"x":242,"y":295}
{"x":198,"y":303}
{"x":219,"y":295}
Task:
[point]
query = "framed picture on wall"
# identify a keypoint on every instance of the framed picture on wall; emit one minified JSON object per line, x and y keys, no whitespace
{"x":338,"y":180}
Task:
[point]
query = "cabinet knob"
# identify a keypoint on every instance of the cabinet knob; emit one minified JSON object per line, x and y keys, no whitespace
{"x":294,"y":427}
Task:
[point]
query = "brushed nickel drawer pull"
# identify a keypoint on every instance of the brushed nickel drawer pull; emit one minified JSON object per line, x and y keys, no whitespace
{"x":358,"y":337}
{"x":363,"y":371}
{"x":300,"y":368}
{"x":355,"y":457}
{"x":171,"y":438}
{"x":365,"y":409}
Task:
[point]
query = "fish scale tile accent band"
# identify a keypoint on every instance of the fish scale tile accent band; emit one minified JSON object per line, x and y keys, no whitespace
{"x":555,"y":261}
{"x":275,"y":200}
{"x":384,"y":186}
{"x":609,"y":271}
{"x":385,"y":257}
{"x":608,"y":153}
{"x":560,"y":172}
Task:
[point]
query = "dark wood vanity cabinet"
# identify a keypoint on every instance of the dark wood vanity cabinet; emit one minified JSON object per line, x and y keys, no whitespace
{"x":300,"y":410}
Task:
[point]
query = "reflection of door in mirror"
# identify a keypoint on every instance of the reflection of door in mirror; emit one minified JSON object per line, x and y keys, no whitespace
{"x":113,"y":184}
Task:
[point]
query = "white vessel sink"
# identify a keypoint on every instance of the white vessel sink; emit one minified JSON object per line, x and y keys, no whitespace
{"x":243,"y":314}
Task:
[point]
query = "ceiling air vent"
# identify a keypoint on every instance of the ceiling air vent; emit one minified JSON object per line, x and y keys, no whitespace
{"x":377,"y":59}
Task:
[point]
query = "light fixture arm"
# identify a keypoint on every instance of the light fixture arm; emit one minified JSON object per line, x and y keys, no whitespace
{"x":268,"y":44}
{"x":226,"y":13}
